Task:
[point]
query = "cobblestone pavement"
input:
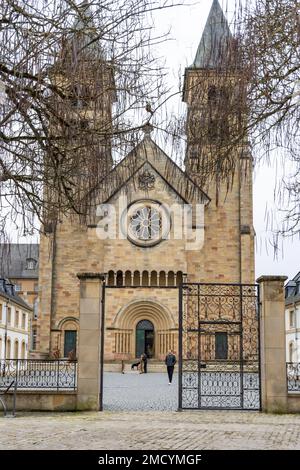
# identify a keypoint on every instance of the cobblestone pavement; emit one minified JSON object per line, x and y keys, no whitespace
{"x":150,"y":425}
{"x":150,"y":430}
{"x":139,"y":392}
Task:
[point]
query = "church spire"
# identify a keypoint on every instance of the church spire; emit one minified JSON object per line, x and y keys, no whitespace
{"x":214,"y":46}
{"x":84,"y":36}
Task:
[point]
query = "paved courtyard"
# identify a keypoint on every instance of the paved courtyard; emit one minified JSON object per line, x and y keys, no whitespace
{"x":153,"y":425}
{"x":140,"y":392}
{"x":165,"y":430}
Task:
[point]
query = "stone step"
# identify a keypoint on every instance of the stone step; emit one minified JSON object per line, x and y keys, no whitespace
{"x":152,"y":366}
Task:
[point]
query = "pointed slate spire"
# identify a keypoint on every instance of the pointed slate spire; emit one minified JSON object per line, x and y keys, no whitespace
{"x":84,"y":18}
{"x":214,"y":47}
{"x":84,"y":31}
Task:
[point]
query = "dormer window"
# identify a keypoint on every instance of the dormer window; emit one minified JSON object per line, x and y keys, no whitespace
{"x":30,"y":263}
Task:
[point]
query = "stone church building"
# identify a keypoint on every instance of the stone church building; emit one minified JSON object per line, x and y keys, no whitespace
{"x":144,"y":266}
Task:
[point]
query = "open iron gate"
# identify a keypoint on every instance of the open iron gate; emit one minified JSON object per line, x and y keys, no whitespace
{"x":219,"y":347}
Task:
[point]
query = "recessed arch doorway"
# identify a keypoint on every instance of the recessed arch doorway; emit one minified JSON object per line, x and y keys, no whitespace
{"x":145,"y":338}
{"x":143,"y":326}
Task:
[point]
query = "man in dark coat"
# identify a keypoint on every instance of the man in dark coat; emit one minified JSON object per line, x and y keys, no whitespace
{"x":144,"y":359}
{"x":170,"y":363}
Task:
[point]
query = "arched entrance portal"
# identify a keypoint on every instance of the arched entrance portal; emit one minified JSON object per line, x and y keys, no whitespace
{"x":141,"y":326}
{"x":145,"y":338}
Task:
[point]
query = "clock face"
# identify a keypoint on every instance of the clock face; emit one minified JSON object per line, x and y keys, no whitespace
{"x":148,"y":223}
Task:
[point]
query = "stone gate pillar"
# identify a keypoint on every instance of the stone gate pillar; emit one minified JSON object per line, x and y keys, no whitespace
{"x":273,"y":360}
{"x":89,"y":344}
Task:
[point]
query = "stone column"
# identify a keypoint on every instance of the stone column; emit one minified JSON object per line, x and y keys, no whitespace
{"x":273,"y":360}
{"x":89,"y":345}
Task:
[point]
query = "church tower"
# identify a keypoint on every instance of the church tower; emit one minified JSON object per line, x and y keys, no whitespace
{"x":86,"y":80}
{"x":216,"y":157}
{"x":84,"y":130}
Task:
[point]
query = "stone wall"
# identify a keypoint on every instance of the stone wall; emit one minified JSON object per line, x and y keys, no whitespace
{"x":42,"y":401}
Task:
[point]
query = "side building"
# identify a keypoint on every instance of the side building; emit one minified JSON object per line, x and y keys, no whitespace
{"x":15,"y":323}
{"x":292,"y":319}
{"x":19,"y":262}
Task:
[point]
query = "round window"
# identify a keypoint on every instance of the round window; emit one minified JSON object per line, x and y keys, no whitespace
{"x":148,"y":222}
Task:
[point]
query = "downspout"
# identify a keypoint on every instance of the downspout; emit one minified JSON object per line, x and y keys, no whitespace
{"x":240,"y":225}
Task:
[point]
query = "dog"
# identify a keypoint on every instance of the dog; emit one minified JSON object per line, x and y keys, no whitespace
{"x":136,"y":364}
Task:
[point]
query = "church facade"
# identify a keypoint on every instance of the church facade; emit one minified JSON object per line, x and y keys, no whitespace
{"x":169,"y":225}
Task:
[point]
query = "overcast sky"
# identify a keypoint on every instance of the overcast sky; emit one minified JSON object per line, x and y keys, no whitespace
{"x":186,"y":24}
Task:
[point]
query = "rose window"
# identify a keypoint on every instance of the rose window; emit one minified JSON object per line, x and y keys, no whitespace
{"x":147,"y":223}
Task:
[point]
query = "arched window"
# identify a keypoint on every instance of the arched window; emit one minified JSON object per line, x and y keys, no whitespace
{"x":8,"y":348}
{"x":154,"y":278}
{"x":171,"y":278}
{"x":70,"y":343}
{"x":136,"y":278}
{"x":119,"y":278}
{"x":128,"y":278}
{"x":68,"y":338}
{"x":162,"y":278}
{"x":111,"y":278}
{"x":291,"y":351}
{"x":16,"y":350}
{"x":179,"y":278}
{"x":23,"y":350}
{"x":145,"y":278}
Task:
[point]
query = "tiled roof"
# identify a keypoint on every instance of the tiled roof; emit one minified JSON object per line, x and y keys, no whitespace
{"x":14,"y":259}
{"x":8,"y":292}
{"x":292,"y":290}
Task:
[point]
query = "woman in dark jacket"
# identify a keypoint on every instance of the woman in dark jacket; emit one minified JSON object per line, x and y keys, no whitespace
{"x":170,"y":363}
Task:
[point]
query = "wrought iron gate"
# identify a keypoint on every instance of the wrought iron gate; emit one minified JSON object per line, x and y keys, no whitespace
{"x":219,"y":347}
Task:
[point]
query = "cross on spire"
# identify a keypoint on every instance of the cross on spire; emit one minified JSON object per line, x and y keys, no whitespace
{"x":147,"y":128}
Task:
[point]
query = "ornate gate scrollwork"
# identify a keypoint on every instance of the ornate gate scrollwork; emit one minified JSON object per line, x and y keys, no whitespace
{"x":219,"y":346}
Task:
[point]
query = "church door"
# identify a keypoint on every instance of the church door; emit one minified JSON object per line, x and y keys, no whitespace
{"x":145,"y":338}
{"x":70,"y":342}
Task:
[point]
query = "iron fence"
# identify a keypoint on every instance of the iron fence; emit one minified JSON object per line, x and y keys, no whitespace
{"x":293,"y":376}
{"x":31,"y":374}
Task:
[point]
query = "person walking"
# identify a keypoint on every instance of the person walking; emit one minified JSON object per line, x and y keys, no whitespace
{"x":170,"y":363}
{"x":144,"y":360}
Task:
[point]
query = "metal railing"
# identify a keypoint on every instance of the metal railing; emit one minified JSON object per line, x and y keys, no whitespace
{"x":293,"y":376}
{"x":3,"y":399}
{"x":31,"y":374}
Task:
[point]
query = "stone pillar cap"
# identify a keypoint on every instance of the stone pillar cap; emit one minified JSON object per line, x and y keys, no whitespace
{"x":92,"y":276}
{"x":271,"y":278}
